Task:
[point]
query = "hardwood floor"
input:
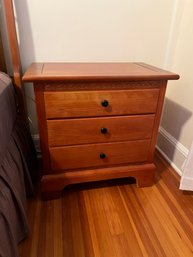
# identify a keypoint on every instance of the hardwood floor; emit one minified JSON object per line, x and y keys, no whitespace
{"x":114,"y":219}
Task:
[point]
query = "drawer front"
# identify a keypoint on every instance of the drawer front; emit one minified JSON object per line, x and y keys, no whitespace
{"x":93,"y":130}
{"x":100,"y":103}
{"x":96,"y":155}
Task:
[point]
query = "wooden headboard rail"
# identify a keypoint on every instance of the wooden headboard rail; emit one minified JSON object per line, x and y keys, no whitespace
{"x":15,"y":56}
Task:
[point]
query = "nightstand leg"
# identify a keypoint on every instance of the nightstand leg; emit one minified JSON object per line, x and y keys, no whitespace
{"x":146,"y":178}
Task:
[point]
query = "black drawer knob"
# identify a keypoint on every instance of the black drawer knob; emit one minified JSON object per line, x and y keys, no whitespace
{"x":102,"y":155}
{"x":104,"y":103}
{"x":104,"y":130}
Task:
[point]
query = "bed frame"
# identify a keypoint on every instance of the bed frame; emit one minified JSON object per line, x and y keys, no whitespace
{"x":2,"y":57}
{"x":15,"y":56}
{"x":18,"y":162}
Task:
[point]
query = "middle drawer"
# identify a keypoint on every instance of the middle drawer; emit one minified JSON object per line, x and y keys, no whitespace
{"x":98,"y":130}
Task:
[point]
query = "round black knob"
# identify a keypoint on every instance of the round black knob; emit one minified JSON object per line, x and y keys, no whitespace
{"x":103,"y":130}
{"x":102,"y":155}
{"x":104,"y":103}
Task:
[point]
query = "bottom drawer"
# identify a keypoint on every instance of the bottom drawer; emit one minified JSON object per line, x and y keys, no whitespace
{"x":94,"y":155}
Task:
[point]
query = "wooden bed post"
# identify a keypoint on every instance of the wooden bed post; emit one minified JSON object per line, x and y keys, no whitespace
{"x":15,"y":56}
{"x":2,"y":57}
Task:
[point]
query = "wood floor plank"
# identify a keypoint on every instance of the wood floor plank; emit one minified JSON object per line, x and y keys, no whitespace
{"x":143,"y":221}
{"x":49,"y":230}
{"x":103,"y":235}
{"x":127,"y":216}
{"x":125,"y":241}
{"x":132,"y":244}
{"x":91,"y":223}
{"x":114,"y":218}
{"x":178,"y":213}
{"x":66,"y":226}
{"x":78,"y":240}
{"x":41,"y":241}
{"x":166,"y":230}
{"x":58,"y":238}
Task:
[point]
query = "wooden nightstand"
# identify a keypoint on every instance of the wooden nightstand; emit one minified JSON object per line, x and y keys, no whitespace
{"x":97,"y":121}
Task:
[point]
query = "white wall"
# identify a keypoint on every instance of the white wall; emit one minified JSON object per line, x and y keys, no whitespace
{"x":177,"y":135}
{"x":90,"y":30}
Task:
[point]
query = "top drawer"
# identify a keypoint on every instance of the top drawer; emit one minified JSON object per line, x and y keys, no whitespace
{"x":100,"y":103}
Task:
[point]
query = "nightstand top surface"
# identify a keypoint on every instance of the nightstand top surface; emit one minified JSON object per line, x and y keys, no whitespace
{"x":95,"y":72}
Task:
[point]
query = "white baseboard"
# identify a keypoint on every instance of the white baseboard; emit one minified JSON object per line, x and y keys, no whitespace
{"x":180,"y":147}
{"x":170,"y":162}
{"x":172,"y":143}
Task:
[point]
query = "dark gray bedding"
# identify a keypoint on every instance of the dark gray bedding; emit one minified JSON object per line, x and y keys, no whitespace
{"x":17,"y":167}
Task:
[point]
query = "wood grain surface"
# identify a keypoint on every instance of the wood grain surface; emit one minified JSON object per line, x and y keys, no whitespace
{"x":91,"y":130}
{"x":84,"y":156}
{"x":69,"y":93}
{"x":113,"y":218}
{"x":2,"y":56}
{"x":8,"y":8}
{"x":89,"y":103}
{"x":95,"y":71}
{"x":40,"y":107}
